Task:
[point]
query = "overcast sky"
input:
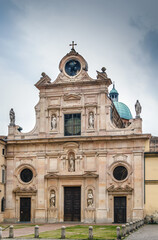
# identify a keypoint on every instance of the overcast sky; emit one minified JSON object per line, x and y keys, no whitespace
{"x":121,"y":35}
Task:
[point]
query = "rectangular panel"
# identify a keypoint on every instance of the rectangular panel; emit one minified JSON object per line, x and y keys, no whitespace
{"x":54,"y":101}
{"x":89,"y":99}
{"x":90,"y":163}
{"x":53,"y":164}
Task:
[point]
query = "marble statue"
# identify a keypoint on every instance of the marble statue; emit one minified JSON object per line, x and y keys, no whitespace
{"x":53,"y":122}
{"x":91,"y":120}
{"x":90,"y":198}
{"x":52,"y":198}
{"x":138,"y":109}
{"x":12,"y":117}
{"x":71,"y":163}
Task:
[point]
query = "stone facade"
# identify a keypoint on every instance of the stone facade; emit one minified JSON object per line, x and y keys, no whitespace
{"x":41,"y":164}
{"x":2,"y":176}
{"x":151,"y":182}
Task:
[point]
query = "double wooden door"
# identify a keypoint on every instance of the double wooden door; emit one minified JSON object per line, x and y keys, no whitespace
{"x":72,"y":204}
{"x":119,"y":209}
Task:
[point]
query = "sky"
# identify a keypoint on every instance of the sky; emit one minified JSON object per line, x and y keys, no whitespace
{"x":121,"y":35}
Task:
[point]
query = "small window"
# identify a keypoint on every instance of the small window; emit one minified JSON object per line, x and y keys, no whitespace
{"x":3,"y":151}
{"x":72,"y":124}
{"x":3,"y":175}
{"x":2,"y":204}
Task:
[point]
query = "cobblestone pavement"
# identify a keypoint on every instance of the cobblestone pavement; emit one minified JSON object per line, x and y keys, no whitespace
{"x":147,"y":232}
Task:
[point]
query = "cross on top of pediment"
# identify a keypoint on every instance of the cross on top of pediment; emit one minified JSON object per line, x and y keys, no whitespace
{"x":72,"y":45}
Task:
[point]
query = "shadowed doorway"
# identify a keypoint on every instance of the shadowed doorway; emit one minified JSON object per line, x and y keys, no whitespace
{"x":25,"y":209}
{"x":72,"y":204}
{"x":119,"y":209}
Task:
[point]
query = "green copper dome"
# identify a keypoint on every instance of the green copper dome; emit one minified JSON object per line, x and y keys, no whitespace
{"x":123,"y":110}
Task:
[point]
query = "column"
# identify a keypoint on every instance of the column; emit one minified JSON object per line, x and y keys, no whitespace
{"x":101,"y":211}
{"x":40,"y":214}
{"x":138,"y":182}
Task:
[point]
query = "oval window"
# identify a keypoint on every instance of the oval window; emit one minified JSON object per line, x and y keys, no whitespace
{"x":26,"y":175}
{"x":120,"y":173}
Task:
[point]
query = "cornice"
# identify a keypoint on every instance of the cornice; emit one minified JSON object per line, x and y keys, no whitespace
{"x":79,"y":139}
{"x":87,"y":174}
{"x":76,"y":83}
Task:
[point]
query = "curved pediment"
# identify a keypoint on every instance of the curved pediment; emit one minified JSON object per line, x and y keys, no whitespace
{"x":70,"y":145}
{"x":70,"y":97}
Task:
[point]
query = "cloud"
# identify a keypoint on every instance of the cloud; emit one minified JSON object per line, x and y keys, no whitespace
{"x":150,"y":45}
{"x":138,"y":22}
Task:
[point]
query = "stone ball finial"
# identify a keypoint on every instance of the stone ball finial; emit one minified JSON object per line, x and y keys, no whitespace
{"x":43,"y":74}
{"x":103,"y":69}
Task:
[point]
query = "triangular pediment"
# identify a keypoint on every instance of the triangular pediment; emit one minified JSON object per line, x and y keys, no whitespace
{"x":51,"y":175}
{"x":71,"y":97}
{"x":88,"y":174}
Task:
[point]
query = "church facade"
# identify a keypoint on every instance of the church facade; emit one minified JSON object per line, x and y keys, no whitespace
{"x":83,"y":161}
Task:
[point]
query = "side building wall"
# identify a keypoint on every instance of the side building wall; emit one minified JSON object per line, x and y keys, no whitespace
{"x":151,"y":187}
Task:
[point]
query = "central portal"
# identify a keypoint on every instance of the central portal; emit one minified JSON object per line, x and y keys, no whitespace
{"x":72,"y":204}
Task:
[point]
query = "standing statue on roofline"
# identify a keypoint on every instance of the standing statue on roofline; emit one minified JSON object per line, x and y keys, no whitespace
{"x":12,"y":117}
{"x":138,"y":109}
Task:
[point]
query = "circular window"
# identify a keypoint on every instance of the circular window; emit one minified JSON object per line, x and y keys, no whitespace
{"x":72,"y":67}
{"x":26,"y":175}
{"x":120,"y":173}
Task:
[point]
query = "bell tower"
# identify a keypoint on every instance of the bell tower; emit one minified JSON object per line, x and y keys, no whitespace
{"x":114,"y":94}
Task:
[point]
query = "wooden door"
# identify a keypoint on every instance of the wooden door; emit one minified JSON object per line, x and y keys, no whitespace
{"x":72,"y":204}
{"x":25,"y":209}
{"x":119,"y":209}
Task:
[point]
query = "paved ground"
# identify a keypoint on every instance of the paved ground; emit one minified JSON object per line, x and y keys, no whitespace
{"x":147,"y":232}
{"x":30,"y":230}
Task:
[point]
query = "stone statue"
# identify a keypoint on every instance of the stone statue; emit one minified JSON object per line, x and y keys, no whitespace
{"x":71,"y":163}
{"x":138,"y":109}
{"x":91,"y":120}
{"x":52,"y":198}
{"x":12,"y":117}
{"x":54,"y":122}
{"x":90,"y":198}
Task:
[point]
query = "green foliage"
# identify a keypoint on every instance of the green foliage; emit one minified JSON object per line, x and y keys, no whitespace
{"x":81,"y":232}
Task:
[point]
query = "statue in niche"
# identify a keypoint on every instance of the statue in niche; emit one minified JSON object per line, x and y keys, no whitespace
{"x":90,"y":198}
{"x":53,"y":122}
{"x":138,"y":109}
{"x":12,"y":117}
{"x":71,"y":163}
{"x":91,"y":120}
{"x":52,"y":198}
